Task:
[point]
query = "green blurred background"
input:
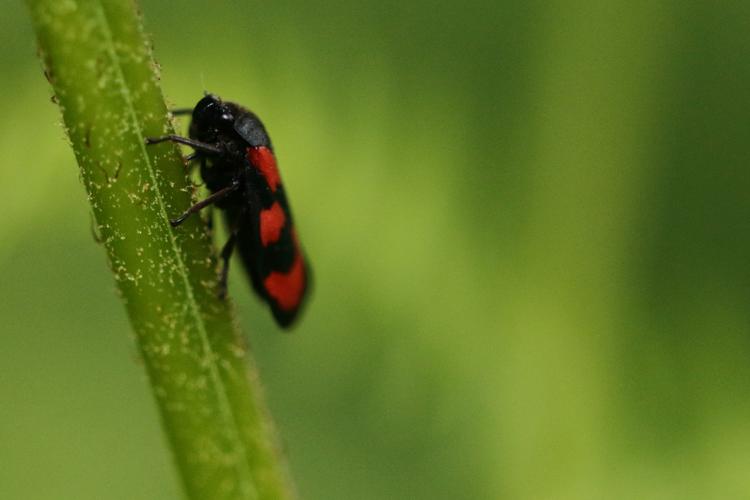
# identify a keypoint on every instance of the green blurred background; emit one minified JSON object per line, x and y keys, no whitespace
{"x":530,"y":228}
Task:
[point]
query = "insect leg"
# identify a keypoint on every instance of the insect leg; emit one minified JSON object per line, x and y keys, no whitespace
{"x":226,"y":254}
{"x":210,"y":222}
{"x":192,"y":160}
{"x":181,"y":111}
{"x":218,"y":195}
{"x":197,"y":145}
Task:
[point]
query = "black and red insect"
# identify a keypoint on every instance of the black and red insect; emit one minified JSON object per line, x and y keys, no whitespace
{"x":238,"y":166}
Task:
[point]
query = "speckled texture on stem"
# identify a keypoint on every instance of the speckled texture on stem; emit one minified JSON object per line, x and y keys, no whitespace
{"x":96,"y":57}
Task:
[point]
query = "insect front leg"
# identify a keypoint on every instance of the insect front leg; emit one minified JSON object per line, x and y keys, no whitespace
{"x":192,"y":156}
{"x":203,"y":147}
{"x":181,"y":111}
{"x":193,"y":160}
{"x":218,"y":195}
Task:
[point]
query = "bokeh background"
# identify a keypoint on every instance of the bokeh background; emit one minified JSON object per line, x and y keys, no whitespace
{"x":530,"y":227}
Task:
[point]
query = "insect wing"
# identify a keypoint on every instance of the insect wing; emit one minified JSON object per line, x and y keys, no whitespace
{"x":272,"y":252}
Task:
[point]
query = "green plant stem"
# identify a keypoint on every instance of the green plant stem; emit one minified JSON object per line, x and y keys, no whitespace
{"x":100,"y":66}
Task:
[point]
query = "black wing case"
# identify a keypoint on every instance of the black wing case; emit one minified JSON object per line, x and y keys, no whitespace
{"x":267,"y":240}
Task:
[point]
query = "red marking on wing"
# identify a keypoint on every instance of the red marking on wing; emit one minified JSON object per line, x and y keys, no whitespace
{"x":287,"y":288}
{"x":264,"y":160}
{"x":272,"y":221}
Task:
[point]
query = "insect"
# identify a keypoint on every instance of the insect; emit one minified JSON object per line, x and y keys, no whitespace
{"x":238,"y":166}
